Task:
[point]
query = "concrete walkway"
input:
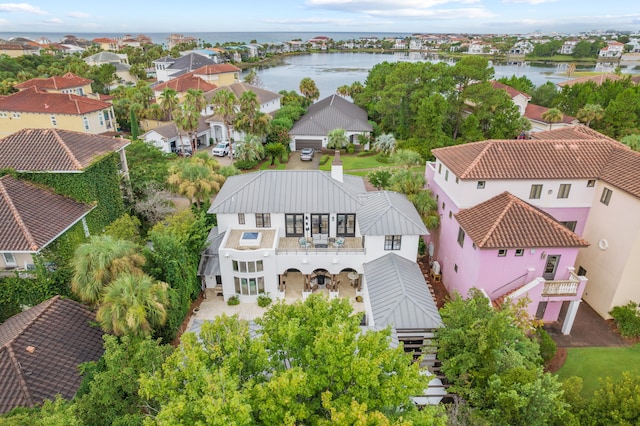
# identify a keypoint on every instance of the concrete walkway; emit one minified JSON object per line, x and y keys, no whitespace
{"x":589,"y":330}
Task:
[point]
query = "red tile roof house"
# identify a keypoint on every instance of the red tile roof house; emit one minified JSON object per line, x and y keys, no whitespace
{"x":33,"y":216}
{"x":68,"y":83}
{"x":41,"y":349}
{"x":36,"y":108}
{"x":536,"y":217}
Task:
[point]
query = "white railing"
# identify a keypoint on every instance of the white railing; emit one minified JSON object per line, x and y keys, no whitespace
{"x":562,"y":287}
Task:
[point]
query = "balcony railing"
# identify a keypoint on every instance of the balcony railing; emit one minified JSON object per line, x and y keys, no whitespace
{"x":562,"y":287}
{"x":291,"y":245}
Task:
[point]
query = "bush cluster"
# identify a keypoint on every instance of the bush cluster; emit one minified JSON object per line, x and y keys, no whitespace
{"x":627,"y":319}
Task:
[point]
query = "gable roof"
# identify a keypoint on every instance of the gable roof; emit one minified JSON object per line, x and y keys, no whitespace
{"x":399,"y":295}
{"x":104,"y":57}
{"x":579,"y":131}
{"x":288,"y":191}
{"x":331,"y":113}
{"x":185,"y":82}
{"x":212,"y":69}
{"x":66,"y":81}
{"x":505,"y":221}
{"x":32,"y":217}
{"x":190,"y":62}
{"x":54,"y":150}
{"x":597,"y":79}
{"x":389,"y":213}
{"x":40,"y":350}
{"x":238,"y":89}
{"x":510,"y":90}
{"x":35,"y":101}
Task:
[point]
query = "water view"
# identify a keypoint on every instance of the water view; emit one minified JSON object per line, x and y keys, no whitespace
{"x":331,"y":70}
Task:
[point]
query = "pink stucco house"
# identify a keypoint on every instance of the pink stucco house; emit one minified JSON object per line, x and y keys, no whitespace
{"x":522,"y":218}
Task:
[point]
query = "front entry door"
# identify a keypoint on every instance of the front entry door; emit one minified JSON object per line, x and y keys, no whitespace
{"x":550,"y":266}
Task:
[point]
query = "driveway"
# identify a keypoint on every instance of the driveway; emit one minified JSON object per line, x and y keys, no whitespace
{"x":296,"y":164}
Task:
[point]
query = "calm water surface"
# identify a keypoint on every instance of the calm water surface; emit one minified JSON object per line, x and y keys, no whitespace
{"x":331,"y":70}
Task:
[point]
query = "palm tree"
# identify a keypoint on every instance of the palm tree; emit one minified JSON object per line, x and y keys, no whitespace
{"x":407,"y":158}
{"x":250,"y":149}
{"x":99,"y":262}
{"x":385,"y":143}
{"x":309,"y":90}
{"x":589,"y":113}
{"x":168,"y":102}
{"x":553,"y":115}
{"x":186,"y":120}
{"x":343,"y":90}
{"x":224,"y":105}
{"x":274,"y":149}
{"x":195,"y":178}
{"x":250,"y":119}
{"x":133,"y":304}
{"x":427,"y":208}
{"x":337,"y":139}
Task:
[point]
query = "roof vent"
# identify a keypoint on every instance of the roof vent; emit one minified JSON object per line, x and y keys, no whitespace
{"x":30,"y":349}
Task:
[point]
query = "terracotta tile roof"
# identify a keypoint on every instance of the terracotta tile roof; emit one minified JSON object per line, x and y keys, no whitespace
{"x":35,"y":101}
{"x":505,"y":221}
{"x":67,"y":81}
{"x":579,"y":131}
{"x":510,"y":90}
{"x":185,"y":82}
{"x":529,"y":159}
{"x":41,"y":350}
{"x":32,"y":217}
{"x":597,"y":79}
{"x":216,"y":69}
{"x":535,"y":112}
{"x":54,"y":150}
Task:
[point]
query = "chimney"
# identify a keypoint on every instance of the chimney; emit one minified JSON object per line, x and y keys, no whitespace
{"x":336,"y":167}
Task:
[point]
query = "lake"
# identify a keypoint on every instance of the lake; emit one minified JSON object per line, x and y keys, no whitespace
{"x":331,"y":70}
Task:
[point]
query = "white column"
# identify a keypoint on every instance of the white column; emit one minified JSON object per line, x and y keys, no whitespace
{"x":570,"y":316}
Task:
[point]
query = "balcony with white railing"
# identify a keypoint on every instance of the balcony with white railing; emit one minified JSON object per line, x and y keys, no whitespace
{"x":568,"y":287}
{"x":301,"y":245}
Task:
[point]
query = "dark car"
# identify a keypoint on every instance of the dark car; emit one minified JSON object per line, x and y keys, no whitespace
{"x":306,"y":154}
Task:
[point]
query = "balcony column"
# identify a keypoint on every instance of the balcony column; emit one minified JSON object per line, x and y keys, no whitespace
{"x":570,"y":317}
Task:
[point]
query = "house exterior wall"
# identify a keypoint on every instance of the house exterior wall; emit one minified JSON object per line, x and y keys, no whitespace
{"x":22,"y":260}
{"x":612,"y":266}
{"x":29,"y":120}
{"x":221,"y":79}
{"x":83,"y":90}
{"x":270,"y":106}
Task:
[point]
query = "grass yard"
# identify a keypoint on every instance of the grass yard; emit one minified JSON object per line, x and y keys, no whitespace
{"x":351,"y":162}
{"x":592,"y":364}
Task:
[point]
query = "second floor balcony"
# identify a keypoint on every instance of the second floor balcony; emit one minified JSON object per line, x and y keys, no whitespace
{"x":322,"y":245}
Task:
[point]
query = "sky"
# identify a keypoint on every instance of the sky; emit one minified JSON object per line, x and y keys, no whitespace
{"x":403,"y":16}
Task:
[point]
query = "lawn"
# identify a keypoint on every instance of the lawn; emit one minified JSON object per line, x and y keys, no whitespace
{"x":352,"y":162}
{"x":592,"y":364}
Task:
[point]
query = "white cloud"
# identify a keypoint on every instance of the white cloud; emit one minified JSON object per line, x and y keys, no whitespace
{"x":528,"y":1}
{"x":331,"y":21}
{"x":4,"y":22}
{"x":81,"y":15}
{"x":53,"y":21}
{"x":439,"y":14}
{"x":21,"y":7}
{"x":363,"y":6}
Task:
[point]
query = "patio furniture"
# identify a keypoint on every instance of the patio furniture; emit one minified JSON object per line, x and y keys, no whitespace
{"x":320,"y":240}
{"x":339,"y":242}
{"x":303,"y":242}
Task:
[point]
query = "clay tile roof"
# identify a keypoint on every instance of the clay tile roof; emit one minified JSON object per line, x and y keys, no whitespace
{"x":505,"y":221}
{"x":32,"y":217}
{"x":67,"y":81}
{"x":34,"y":101}
{"x":570,"y":132}
{"x":40,"y":350}
{"x":597,"y":79}
{"x":184,"y":83}
{"x":535,"y":112}
{"x":528,"y":159}
{"x":54,"y":150}
{"x":510,"y":90}
{"x":216,"y":69}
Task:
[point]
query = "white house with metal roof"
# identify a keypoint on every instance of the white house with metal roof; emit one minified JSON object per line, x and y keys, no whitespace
{"x":289,"y":233}
{"x":333,"y":112}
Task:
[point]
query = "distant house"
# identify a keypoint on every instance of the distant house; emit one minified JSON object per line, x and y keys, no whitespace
{"x":168,"y":68}
{"x":597,"y":79}
{"x":32,"y":108}
{"x":175,"y":39}
{"x":41,"y":349}
{"x":119,"y":60}
{"x":333,"y":112}
{"x":106,"y":43}
{"x":169,"y":138}
{"x":568,"y":47}
{"x":69,"y":83}
{"x":15,"y":50}
{"x":613,"y":49}
{"x":183,"y":84}
{"x":32,"y":218}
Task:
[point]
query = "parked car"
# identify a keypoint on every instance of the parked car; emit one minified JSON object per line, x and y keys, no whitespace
{"x":306,"y":154}
{"x":221,"y":149}
{"x":184,"y":152}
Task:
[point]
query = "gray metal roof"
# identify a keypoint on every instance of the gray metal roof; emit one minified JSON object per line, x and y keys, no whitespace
{"x":288,"y":191}
{"x":389,"y":213}
{"x":332,"y":113}
{"x":104,"y":57}
{"x":238,"y":89}
{"x":210,"y":260}
{"x":399,"y":295}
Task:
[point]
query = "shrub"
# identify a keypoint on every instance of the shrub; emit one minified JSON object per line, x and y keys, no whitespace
{"x":245,"y":164}
{"x":627,"y":319}
{"x":233,"y":300}
{"x":547,"y":345}
{"x":264,"y":300}
{"x":384,"y":159}
{"x":351,"y":148}
{"x":324,"y":159}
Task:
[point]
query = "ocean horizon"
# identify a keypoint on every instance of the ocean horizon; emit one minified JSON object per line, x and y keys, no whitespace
{"x":210,"y":37}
